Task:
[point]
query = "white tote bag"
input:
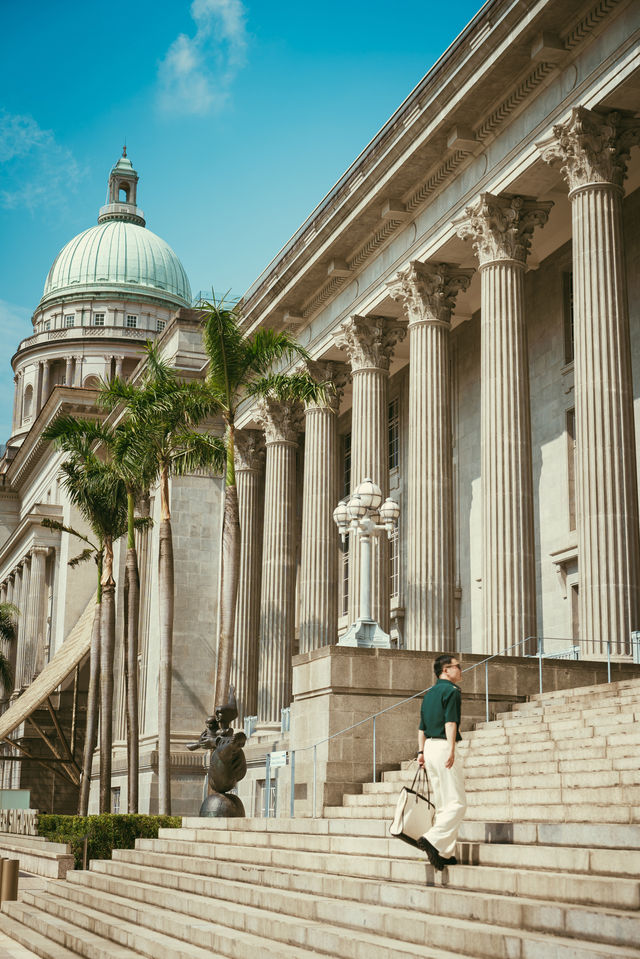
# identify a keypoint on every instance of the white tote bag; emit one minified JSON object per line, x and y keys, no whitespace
{"x":414,"y":810}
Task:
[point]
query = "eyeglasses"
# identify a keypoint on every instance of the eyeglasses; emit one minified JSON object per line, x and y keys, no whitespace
{"x":453,"y":666}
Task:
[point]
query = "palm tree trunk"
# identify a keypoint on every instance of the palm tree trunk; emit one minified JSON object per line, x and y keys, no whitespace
{"x":133,"y":607}
{"x":93,"y":702}
{"x":107,"y":643}
{"x":229,"y":590}
{"x":165,"y":588}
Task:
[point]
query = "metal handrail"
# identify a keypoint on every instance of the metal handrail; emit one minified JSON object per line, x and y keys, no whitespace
{"x":539,"y":655}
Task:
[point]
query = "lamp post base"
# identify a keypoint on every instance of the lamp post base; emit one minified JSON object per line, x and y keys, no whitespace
{"x":365,"y":633}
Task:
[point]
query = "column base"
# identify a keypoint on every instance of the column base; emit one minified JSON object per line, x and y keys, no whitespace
{"x":366,"y":633}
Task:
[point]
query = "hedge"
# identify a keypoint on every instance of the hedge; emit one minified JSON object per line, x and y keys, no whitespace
{"x":104,"y":833}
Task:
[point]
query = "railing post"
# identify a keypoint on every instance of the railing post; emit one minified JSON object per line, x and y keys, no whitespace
{"x":374,"y":748}
{"x":540,"y":664}
{"x":486,"y":687}
{"x":267,"y":786}
{"x":608,"y":660}
{"x":315,"y":755}
{"x":292,"y":804}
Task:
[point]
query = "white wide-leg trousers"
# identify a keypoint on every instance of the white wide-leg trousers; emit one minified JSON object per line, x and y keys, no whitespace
{"x":448,"y":796}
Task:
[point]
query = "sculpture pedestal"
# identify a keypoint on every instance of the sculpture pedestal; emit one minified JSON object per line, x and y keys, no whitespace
{"x":224,"y":805}
{"x":367,"y":634}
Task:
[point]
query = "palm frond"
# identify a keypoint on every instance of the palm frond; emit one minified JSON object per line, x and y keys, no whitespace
{"x":8,"y":621}
{"x":290,"y":388}
{"x":71,"y":433}
{"x":226,"y":348}
{"x":81,"y":558}
{"x":265,"y":347}
{"x":142,"y":522}
{"x":194,"y":451}
{"x":61,"y":528}
{"x":6,"y":673}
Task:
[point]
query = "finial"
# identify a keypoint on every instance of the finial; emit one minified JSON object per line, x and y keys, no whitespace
{"x":124,"y":149}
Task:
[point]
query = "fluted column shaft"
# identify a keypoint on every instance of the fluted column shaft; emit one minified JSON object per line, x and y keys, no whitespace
{"x":46,"y":371}
{"x":427,"y":293}
{"x":16,"y":402}
{"x":319,"y":548}
{"x":369,"y":342}
{"x":250,"y":484}
{"x":277,"y":597}
{"x":22,"y":590}
{"x":500,"y":228}
{"x":608,"y":541}
{"x":35,"y":612}
{"x":592,"y":150}
{"x":68,"y":379}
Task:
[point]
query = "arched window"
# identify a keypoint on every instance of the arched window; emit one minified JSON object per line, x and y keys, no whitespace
{"x":27,"y":407}
{"x":123,"y":193}
{"x":91,"y":383}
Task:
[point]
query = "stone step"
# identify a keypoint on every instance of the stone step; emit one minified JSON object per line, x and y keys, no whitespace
{"x":508,"y":813}
{"x":298,"y":894}
{"x":393,"y":861}
{"x":502,"y":778}
{"x":604,"y":715}
{"x":600,"y":690}
{"x":616,"y":703}
{"x":390,"y":932}
{"x":96,"y":934}
{"x":242,"y":932}
{"x":37,"y":944}
{"x":541,"y":794}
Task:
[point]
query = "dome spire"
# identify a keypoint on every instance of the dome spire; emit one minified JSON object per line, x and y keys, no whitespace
{"x":121,"y":196}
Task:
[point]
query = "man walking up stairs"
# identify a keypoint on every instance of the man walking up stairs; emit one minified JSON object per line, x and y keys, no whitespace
{"x":549,"y":864}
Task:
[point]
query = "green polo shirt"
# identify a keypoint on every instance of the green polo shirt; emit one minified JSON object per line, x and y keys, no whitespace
{"x":440,"y":705}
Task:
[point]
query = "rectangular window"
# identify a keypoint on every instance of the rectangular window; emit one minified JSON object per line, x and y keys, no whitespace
{"x":70,"y":319}
{"x":160,"y":325}
{"x":132,"y":321}
{"x":47,"y":324}
{"x":394,"y":565}
{"x":393,"y":434}
{"x":98,"y":319}
{"x":571,"y":466}
{"x":115,"y":800}
{"x":568,"y":317}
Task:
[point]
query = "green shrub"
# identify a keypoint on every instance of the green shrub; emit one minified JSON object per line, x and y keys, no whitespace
{"x":104,"y":833}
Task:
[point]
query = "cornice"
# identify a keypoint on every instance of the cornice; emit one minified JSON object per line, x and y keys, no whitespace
{"x":63,"y":399}
{"x":12,"y":550}
{"x":482,"y":48}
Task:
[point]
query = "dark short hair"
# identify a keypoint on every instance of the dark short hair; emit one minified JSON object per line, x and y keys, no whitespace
{"x":443,"y":660}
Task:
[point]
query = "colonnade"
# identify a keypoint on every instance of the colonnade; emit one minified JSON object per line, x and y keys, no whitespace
{"x":26,"y":588}
{"x":592,"y":150}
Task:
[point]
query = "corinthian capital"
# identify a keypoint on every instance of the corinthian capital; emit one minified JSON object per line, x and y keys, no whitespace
{"x":281,"y":422}
{"x":427,"y":291}
{"x":591,"y":147}
{"x":249,"y":450}
{"x":500,"y":227}
{"x":335,"y":375}
{"x":369,"y":341}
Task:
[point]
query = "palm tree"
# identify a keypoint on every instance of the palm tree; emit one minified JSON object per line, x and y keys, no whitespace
{"x":163,"y":411}
{"x":98,"y":491}
{"x":8,"y":632}
{"x":240,"y":366}
{"x":94,"y":550}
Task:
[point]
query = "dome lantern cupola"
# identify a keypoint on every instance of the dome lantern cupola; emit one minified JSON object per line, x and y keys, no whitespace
{"x":121,"y":194}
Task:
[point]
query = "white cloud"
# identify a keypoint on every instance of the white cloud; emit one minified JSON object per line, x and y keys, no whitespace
{"x":35,"y":170}
{"x":197,"y":72}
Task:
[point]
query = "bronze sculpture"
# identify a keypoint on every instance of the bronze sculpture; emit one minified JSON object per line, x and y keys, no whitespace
{"x":227,"y":765}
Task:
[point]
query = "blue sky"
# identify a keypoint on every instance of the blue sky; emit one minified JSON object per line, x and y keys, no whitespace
{"x":239,"y":116}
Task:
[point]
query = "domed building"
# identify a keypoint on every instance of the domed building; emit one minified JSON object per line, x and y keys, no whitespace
{"x":109,"y":290}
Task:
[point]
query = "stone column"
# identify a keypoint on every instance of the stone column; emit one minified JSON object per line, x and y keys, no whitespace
{"x":427,"y":292}
{"x":249,"y":448}
{"x":22,"y":593}
{"x":593,"y":149}
{"x":320,"y":551}
{"x":119,"y":361}
{"x":37,"y":390}
{"x":277,"y":598}
{"x":68,"y":371}
{"x":77,"y":378}
{"x":34,"y":614}
{"x":16,"y":402}
{"x":369,"y":342}
{"x":46,"y":371}
{"x":500,"y":228}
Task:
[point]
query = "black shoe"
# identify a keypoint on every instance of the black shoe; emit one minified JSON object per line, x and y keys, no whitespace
{"x":431,"y":853}
{"x":451,"y":861}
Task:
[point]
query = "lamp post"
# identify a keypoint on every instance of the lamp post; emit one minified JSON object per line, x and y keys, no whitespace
{"x":359,"y":515}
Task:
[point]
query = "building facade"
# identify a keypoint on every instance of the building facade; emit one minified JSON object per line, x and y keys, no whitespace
{"x":469,"y":288}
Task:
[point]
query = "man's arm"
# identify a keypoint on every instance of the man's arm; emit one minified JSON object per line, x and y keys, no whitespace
{"x":451,"y":730}
{"x":421,"y":741}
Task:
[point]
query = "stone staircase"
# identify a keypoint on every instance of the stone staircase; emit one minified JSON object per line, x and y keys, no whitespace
{"x":549,"y":864}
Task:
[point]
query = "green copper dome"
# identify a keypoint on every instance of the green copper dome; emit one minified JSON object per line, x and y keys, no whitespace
{"x":121,"y":256}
